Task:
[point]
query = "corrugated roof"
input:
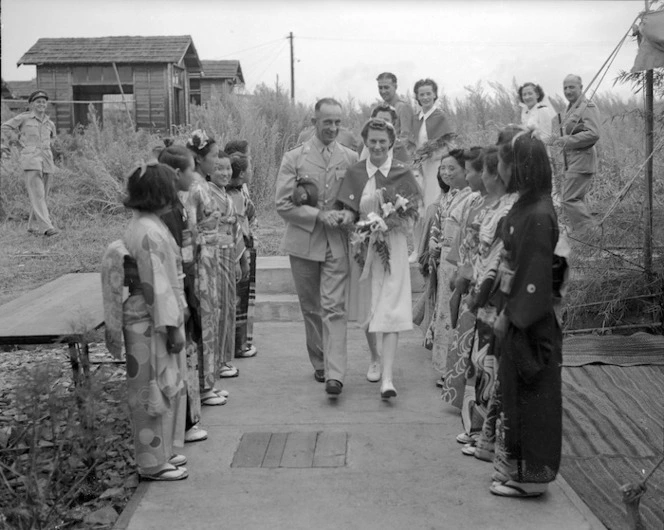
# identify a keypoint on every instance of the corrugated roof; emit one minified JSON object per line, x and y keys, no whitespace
{"x":106,"y":50}
{"x":223,"y":70}
{"x":22,"y":89}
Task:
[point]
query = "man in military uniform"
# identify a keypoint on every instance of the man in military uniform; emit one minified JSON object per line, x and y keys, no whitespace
{"x":316,"y":242}
{"x":387,"y":88}
{"x":35,"y":131}
{"x":580,"y":132}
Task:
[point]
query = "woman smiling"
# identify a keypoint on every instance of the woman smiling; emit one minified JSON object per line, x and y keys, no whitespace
{"x":371,"y":188}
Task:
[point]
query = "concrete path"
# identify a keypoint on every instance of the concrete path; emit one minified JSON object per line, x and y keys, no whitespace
{"x":403,"y":468}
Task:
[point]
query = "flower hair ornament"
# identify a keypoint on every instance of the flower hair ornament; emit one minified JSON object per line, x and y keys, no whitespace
{"x":199,"y":139}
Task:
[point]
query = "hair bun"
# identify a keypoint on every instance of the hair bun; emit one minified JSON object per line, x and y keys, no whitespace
{"x":168,"y":142}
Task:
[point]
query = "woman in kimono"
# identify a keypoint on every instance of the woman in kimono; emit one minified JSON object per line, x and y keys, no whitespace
{"x":485,"y":301}
{"x":245,"y":248}
{"x":365,"y":189}
{"x":204,"y":215}
{"x":529,"y":425}
{"x":442,"y":233}
{"x":229,"y":231}
{"x":153,"y":325}
{"x":176,"y":219}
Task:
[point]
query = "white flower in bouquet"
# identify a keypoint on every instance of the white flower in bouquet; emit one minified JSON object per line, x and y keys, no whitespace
{"x":387,"y":208}
{"x":401,"y":203}
{"x":377,"y":223}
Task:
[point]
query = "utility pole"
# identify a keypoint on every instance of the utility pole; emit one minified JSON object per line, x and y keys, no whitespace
{"x":647,"y":242}
{"x":292,"y":68}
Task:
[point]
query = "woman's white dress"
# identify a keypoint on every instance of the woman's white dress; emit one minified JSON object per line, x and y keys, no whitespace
{"x":390,"y":293}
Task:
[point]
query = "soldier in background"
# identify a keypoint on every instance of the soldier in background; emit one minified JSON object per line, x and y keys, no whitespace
{"x":580,"y":133}
{"x":35,"y":131}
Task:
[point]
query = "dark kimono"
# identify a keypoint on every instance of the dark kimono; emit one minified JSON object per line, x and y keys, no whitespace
{"x":529,"y":427}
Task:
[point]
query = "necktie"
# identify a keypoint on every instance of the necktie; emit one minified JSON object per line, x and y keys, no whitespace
{"x":326,"y":154}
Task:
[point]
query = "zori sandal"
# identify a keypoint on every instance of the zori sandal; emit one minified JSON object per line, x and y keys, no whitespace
{"x":177,"y":460}
{"x":167,"y":474}
{"x":516,"y":489}
{"x":228,"y":370}
{"x":211,"y":399}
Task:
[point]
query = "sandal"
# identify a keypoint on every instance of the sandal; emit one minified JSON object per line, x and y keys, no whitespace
{"x":212,"y":399}
{"x":483,"y":454}
{"x":169,"y":473}
{"x":177,"y":460}
{"x":469,"y":449}
{"x":222,"y":393}
{"x":515,"y":489}
{"x":195,"y":434}
{"x":228,"y":370}
{"x":465,"y":438}
{"x":249,"y":351}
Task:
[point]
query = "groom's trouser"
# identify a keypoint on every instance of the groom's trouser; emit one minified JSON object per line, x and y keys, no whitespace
{"x":321,"y":289}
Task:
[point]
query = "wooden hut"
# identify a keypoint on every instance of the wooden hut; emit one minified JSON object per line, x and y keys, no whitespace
{"x":146,"y":77}
{"x":215,"y":77}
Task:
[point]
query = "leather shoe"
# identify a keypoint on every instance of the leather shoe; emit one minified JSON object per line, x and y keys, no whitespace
{"x":387,"y":389}
{"x":333,"y":387}
{"x":319,"y":375}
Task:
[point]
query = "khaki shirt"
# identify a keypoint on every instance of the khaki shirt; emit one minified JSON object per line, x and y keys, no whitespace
{"x":307,"y":237}
{"x":34,"y":136}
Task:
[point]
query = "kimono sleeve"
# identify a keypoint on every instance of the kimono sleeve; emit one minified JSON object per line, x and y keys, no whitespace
{"x":531,"y":295}
{"x":160,"y":275}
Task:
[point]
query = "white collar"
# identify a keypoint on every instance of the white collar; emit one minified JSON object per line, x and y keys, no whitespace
{"x":423,"y":116}
{"x":384,"y":168}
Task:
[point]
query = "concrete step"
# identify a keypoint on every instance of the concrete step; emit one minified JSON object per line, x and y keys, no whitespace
{"x":277,"y":308}
{"x":273,"y":277}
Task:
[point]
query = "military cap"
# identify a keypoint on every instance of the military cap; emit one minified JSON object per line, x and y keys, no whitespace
{"x":37,"y":94}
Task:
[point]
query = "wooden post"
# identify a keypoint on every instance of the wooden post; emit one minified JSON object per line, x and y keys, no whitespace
{"x":647,"y":232}
{"x":117,"y":76}
{"x":292,"y":69}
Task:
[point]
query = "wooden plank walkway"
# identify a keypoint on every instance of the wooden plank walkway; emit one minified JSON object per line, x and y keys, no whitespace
{"x":291,"y":450}
{"x":61,"y":310}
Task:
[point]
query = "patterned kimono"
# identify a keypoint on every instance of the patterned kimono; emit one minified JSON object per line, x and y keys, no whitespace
{"x":529,"y":397}
{"x":155,"y":384}
{"x":228,"y":233}
{"x":481,"y":371}
{"x":461,"y":255}
{"x":204,"y":215}
{"x":177,"y":222}
{"x":246,"y":213}
{"x":443,"y":230}
{"x":490,"y":301}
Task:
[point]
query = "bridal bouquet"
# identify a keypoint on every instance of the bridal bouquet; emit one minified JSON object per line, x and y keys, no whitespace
{"x":430,"y":148}
{"x":371,"y":234}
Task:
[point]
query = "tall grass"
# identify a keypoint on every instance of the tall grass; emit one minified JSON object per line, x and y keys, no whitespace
{"x":94,"y":162}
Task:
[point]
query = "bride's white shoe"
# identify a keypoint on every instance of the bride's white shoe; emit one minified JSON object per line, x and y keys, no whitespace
{"x":387,"y":389}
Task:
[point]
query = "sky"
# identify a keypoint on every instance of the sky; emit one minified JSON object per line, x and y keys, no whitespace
{"x":341,"y":46}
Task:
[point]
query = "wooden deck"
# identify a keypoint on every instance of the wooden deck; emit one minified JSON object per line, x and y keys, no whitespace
{"x":62,"y":310}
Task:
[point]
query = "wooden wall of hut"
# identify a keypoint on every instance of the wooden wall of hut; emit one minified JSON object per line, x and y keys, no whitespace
{"x":151,"y":95}
{"x":56,"y":81}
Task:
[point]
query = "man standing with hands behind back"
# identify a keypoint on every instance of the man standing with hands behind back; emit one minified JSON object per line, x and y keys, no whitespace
{"x":387,"y":88}
{"x":579,"y":136}
{"x":316,"y":242}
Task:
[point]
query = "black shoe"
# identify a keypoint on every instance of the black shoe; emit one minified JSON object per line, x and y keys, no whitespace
{"x":319,"y":375}
{"x":333,"y":387}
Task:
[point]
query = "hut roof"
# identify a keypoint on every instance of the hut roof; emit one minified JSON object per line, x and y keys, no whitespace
{"x":22,"y":89}
{"x":107,"y":50}
{"x":230,"y":69}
